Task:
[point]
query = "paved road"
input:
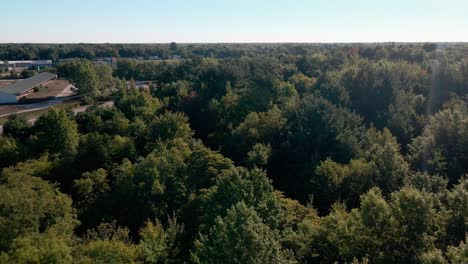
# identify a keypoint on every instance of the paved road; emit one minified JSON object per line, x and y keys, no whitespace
{"x":75,"y":111}
{"x":40,"y":105}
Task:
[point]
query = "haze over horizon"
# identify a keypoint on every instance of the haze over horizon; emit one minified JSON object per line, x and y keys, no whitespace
{"x":254,"y":21}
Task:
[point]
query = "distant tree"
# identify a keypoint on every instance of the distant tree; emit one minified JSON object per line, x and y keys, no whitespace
{"x":82,"y":74}
{"x":105,"y":80}
{"x":173,"y":94}
{"x":303,"y":83}
{"x":173,"y":46}
{"x":126,"y":69}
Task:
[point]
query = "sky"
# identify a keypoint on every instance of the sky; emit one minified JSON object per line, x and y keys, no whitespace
{"x":201,"y":21}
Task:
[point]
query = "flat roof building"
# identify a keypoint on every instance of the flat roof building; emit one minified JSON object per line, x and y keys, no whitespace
{"x":31,"y":64}
{"x":14,"y":92}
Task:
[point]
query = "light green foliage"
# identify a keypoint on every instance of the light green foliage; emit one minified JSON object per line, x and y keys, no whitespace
{"x":106,"y":244}
{"x":381,"y":165}
{"x":261,"y":127}
{"x":434,"y":256}
{"x":52,"y":246}
{"x":459,"y":254}
{"x":82,"y":74}
{"x":169,"y":126}
{"x":172,"y":94}
{"x":30,"y":206}
{"x":155,"y":186}
{"x":344,"y":181}
{"x":258,"y":156}
{"x":303,"y":83}
{"x":57,"y":132}
{"x":416,"y":220}
{"x":105,"y":80}
{"x":9,"y":152}
{"x":134,"y":103}
{"x":105,"y":251}
{"x":90,"y":79}
{"x":239,"y":237}
{"x":382,"y":149}
{"x":159,"y":245}
{"x":227,"y":109}
{"x":426,"y":182}
{"x":240,"y":185}
{"x":456,"y":214}
{"x":400,"y":230}
{"x":443,"y":146}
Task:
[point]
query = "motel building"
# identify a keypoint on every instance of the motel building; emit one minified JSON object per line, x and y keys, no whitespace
{"x":12,"y":93}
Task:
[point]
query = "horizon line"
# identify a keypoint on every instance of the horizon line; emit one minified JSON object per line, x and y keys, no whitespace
{"x":250,"y":42}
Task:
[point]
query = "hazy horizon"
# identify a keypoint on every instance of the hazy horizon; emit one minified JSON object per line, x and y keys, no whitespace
{"x":242,"y":21}
{"x":194,"y":43}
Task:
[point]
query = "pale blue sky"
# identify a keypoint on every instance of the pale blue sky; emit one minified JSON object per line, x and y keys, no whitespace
{"x":137,"y":21}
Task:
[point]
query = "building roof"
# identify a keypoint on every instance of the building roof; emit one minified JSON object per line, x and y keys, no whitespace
{"x":27,"y":84}
{"x":28,"y":61}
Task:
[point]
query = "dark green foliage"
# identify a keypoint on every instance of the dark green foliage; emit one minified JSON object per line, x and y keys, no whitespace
{"x":17,"y":127}
{"x":317,"y":130}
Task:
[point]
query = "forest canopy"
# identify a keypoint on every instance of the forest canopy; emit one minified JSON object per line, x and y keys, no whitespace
{"x":243,"y":153}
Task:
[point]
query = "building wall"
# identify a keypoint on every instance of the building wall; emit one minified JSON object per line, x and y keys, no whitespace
{"x":8,"y":98}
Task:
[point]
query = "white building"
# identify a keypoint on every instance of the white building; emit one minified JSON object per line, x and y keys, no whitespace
{"x":31,"y":64}
{"x":12,"y":93}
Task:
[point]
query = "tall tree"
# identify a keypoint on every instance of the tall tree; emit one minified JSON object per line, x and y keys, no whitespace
{"x":57,"y":132}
